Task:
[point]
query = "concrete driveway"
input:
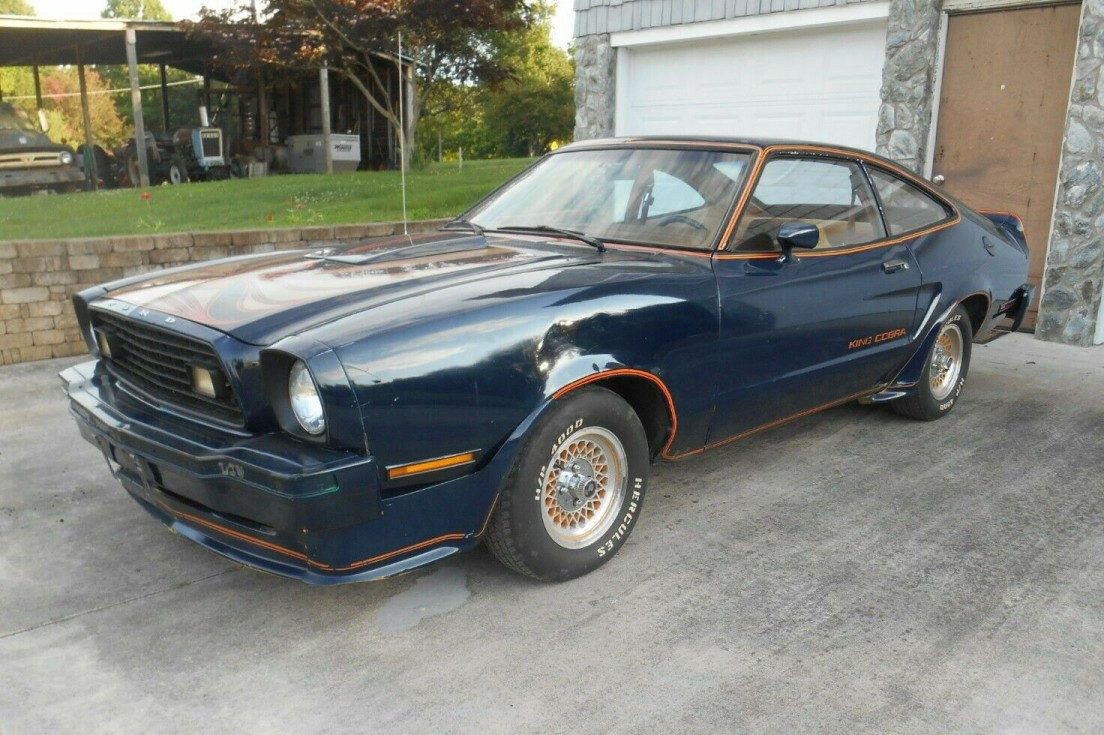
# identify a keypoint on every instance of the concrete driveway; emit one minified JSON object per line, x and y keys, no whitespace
{"x":853,"y":572}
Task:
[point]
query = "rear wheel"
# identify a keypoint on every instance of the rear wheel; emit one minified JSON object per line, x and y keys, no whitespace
{"x":944,"y":374}
{"x":576,"y":488}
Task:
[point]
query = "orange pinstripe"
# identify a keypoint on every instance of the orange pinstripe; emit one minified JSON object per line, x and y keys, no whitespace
{"x":829,"y":150}
{"x":456,"y":536}
{"x":776,"y":423}
{"x":665,"y":453}
{"x":637,"y":373}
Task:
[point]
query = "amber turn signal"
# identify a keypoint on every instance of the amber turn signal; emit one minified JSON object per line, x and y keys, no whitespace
{"x":417,"y":468}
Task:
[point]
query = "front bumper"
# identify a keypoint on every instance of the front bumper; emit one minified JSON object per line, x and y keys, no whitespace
{"x":44,"y":177}
{"x":270,"y":501}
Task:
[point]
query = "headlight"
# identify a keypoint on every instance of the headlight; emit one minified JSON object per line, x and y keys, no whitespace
{"x":66,"y":157}
{"x":306,"y":404}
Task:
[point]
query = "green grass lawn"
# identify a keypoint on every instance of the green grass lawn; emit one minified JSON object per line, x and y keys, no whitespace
{"x":440,"y":190}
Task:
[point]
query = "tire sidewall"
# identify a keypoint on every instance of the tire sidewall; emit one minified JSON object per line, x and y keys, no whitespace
{"x":932,"y":405}
{"x":181,"y":172}
{"x":590,"y":407}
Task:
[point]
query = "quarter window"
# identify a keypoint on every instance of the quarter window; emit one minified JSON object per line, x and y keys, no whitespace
{"x":833,"y":195}
{"x":906,"y":208}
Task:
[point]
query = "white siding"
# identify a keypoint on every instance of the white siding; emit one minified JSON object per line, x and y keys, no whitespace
{"x":612,"y":16}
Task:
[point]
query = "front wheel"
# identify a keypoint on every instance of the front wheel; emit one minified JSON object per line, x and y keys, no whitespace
{"x":944,"y":374}
{"x":576,"y":488}
{"x":178,"y":171}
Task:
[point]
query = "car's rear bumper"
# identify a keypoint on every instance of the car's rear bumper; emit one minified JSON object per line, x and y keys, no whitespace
{"x":1015,"y":309}
{"x":269,"y":501}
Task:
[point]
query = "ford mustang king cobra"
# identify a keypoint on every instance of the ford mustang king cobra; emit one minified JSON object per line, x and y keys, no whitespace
{"x":357,"y":411}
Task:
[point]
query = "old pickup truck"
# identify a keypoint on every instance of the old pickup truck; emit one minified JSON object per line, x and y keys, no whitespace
{"x":29,"y":161}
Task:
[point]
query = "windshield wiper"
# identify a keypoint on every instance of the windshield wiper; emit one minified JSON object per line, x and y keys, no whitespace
{"x":466,"y":224}
{"x":594,"y":242}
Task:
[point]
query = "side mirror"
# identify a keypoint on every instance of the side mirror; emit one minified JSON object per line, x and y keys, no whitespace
{"x":797,"y":235}
{"x":43,"y":121}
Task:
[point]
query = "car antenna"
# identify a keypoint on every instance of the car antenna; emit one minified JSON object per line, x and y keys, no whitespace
{"x":402,"y":139}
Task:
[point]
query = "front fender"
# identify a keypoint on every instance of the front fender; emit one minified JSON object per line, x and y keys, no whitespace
{"x":430,"y":392}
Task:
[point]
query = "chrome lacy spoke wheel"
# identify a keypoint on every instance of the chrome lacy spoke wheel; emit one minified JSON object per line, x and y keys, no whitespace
{"x":946,"y":361}
{"x":583,"y":487}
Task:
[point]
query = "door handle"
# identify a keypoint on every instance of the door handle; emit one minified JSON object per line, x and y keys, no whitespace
{"x":892,"y":266}
{"x":988,"y":245}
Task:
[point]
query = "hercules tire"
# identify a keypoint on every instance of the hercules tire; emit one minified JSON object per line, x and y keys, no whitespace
{"x":576,"y":488}
{"x":935,"y":397}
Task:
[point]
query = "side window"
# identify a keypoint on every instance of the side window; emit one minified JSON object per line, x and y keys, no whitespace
{"x":833,"y":195}
{"x":672,"y":195}
{"x":906,"y":207}
{"x":669,"y":194}
{"x":619,"y":200}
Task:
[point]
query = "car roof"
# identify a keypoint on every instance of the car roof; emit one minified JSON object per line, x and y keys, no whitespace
{"x":707,"y":141}
{"x":711,"y":140}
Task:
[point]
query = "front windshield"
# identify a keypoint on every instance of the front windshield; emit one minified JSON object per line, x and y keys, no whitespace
{"x":651,"y":196}
{"x":13,"y":119}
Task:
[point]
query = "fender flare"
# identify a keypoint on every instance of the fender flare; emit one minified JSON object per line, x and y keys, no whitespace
{"x":904,"y":382}
{"x":505,"y":455}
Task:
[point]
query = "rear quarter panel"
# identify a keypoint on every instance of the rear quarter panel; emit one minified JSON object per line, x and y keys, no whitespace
{"x":955,"y":265}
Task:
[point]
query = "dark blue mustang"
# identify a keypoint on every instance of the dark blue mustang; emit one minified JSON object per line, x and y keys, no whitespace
{"x":355,"y":412}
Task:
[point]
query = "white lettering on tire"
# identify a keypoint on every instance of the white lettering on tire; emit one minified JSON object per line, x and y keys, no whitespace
{"x":626,"y":520}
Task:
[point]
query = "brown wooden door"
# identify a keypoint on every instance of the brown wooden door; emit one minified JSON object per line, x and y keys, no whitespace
{"x":1002,"y":112}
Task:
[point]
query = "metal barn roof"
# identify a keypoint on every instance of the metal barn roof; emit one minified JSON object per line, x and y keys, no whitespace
{"x":29,"y":41}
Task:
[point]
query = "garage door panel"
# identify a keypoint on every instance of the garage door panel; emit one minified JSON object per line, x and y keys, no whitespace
{"x":823,"y":85}
{"x":661,"y":122}
{"x":846,"y":84}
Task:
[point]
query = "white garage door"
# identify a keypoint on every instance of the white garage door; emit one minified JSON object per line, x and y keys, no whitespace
{"x":820,"y":85}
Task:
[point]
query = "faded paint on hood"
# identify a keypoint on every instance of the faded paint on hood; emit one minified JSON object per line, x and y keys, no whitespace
{"x":260,"y":300}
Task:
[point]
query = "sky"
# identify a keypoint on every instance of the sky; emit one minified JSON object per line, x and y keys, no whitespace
{"x":81,"y":9}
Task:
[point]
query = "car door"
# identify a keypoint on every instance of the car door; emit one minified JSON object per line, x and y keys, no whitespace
{"x":824,"y":325}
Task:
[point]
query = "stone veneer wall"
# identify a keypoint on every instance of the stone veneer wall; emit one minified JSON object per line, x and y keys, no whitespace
{"x":595,"y":87}
{"x":39,"y":277}
{"x":1071,"y":309}
{"x":908,"y":81}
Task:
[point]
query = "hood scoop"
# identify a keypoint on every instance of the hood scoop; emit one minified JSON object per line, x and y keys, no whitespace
{"x":360,"y":256}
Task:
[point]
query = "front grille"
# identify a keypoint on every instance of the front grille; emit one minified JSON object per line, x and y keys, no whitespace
{"x":212,"y":144}
{"x":30,"y":160}
{"x":159,"y":362}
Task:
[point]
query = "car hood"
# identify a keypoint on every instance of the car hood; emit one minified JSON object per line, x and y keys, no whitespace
{"x":21,"y":141}
{"x":262,"y":299}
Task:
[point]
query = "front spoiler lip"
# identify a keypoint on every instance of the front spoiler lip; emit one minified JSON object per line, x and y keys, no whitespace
{"x":279,"y":568}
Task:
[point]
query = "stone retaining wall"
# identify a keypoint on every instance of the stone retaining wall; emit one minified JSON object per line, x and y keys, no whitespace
{"x":39,"y":277}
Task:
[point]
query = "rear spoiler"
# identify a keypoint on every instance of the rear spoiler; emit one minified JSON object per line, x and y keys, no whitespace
{"x":1010,"y":225}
